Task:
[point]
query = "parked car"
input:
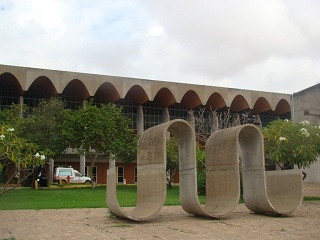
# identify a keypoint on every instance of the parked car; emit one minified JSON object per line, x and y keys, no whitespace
{"x":74,"y":176}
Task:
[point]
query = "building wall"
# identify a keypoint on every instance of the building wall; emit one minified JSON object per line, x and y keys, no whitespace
{"x":306,"y":106}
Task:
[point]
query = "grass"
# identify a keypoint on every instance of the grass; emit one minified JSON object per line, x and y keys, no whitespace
{"x":80,"y":197}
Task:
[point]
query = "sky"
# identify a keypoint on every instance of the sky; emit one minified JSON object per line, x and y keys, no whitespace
{"x":264,"y":45}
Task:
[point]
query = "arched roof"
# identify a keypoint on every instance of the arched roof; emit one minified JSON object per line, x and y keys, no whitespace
{"x":137,"y":94}
{"x":282,"y":107}
{"x":238,"y":104}
{"x":190,"y":100}
{"x":215,"y":101}
{"x":77,"y":89}
{"x":164,"y":97}
{"x":108,"y":92}
{"x":83,"y":85}
{"x":8,"y":80}
{"x":261,"y":105}
{"x":44,"y":85}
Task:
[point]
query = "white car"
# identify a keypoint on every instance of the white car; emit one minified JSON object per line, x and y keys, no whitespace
{"x":74,"y":176}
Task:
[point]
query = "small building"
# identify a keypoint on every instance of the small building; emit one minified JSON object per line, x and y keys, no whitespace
{"x":306,"y":106}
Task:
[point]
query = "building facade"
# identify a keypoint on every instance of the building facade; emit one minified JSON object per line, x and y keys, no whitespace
{"x":145,"y":102}
{"x":306,"y":106}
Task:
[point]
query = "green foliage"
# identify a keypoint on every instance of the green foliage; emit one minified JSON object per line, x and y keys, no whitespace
{"x":172,"y":164}
{"x":12,"y":115}
{"x":44,"y":126}
{"x":201,"y":182}
{"x":101,"y":130}
{"x":289,"y":142}
{"x":201,"y":171}
{"x":19,"y":152}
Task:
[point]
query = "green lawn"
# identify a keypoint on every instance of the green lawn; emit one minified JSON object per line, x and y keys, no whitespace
{"x":85,"y":197}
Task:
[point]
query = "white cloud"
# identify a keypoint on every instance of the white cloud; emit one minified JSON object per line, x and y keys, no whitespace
{"x":267,"y":45}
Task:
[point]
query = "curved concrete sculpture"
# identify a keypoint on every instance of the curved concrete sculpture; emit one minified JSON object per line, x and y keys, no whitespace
{"x":274,"y":192}
{"x":151,"y":185}
{"x":278,"y":192}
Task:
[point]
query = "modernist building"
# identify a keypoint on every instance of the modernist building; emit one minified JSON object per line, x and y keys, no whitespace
{"x":146,"y":102}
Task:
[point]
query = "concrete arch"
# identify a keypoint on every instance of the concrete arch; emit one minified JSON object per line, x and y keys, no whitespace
{"x":215,"y":101}
{"x":261,"y":105}
{"x":195,"y":91}
{"x":76,"y":88}
{"x":9,"y":81}
{"x":17,"y":72}
{"x":131,"y":83}
{"x":282,"y":107}
{"x":164,"y":97}
{"x":238,"y":104}
{"x":44,"y":85}
{"x":190,"y":100}
{"x":137,"y":94}
{"x":107,"y":92}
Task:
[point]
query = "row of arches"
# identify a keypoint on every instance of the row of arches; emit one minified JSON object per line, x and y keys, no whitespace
{"x":76,"y":91}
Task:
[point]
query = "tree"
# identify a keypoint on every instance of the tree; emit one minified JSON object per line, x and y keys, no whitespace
{"x":100,"y":131}
{"x":288,"y":143}
{"x":12,"y":115}
{"x":20,"y":153}
{"x":207,"y":121}
{"x":44,"y":126}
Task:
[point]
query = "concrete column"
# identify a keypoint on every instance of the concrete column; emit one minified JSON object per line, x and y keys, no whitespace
{"x":191,"y":118}
{"x":50,"y":173}
{"x":215,"y":122}
{"x":21,"y":104}
{"x":112,"y":162}
{"x":140,"y":120}
{"x":165,"y":115}
{"x":258,"y":121}
{"x":166,"y":118}
{"x":237,"y":119}
{"x":82,"y":164}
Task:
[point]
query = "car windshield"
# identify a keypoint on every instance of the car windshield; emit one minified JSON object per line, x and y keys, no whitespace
{"x":77,"y":174}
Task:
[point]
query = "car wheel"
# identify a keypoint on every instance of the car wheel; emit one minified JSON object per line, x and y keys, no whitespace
{"x":64,"y":181}
{"x":87,"y":182}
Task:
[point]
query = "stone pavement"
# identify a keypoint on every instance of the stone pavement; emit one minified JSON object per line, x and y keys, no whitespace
{"x":170,"y":223}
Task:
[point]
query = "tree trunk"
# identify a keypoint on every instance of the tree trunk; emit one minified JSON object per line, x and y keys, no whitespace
{"x":304,"y":175}
{"x":92,"y":164}
{"x":6,"y":189}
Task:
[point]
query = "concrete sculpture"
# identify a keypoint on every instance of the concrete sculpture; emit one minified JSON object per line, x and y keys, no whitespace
{"x":274,"y":192}
{"x":263,"y":192}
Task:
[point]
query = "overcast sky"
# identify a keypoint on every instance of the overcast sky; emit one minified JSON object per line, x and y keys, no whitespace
{"x":271,"y":45}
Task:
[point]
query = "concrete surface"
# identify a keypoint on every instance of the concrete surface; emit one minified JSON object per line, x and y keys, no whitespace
{"x":170,"y":223}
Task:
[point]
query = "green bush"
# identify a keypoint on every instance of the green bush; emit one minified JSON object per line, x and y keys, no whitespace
{"x":201,"y":177}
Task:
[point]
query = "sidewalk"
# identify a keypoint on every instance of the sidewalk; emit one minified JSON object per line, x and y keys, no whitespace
{"x":170,"y":223}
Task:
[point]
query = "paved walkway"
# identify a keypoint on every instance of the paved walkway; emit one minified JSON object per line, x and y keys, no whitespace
{"x":170,"y":223}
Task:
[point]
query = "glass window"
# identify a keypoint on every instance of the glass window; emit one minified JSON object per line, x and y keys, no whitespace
{"x":120,"y":173}
{"x":152,"y":114}
{"x":135,"y":174}
{"x":130,"y":111}
{"x":94,"y":172}
{"x":177,"y":111}
{"x":65,"y":172}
